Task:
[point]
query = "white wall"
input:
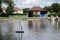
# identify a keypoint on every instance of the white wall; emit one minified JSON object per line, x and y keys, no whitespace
{"x":38,"y":13}
{"x":4,"y":11}
{"x":20,"y":12}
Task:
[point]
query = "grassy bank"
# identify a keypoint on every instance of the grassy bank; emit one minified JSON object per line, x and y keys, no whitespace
{"x":18,"y":16}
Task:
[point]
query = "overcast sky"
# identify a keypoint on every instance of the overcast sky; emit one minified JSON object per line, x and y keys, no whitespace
{"x":30,"y":3}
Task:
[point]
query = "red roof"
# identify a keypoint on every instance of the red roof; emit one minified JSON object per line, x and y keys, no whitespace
{"x":16,"y":9}
{"x":37,"y":8}
{"x":4,"y":8}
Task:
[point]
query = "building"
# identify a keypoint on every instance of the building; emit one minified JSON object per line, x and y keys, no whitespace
{"x":18,"y":10}
{"x":4,"y":9}
{"x":36,"y":11}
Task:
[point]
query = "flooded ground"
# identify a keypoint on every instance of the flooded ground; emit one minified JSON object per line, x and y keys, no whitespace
{"x":33,"y":30}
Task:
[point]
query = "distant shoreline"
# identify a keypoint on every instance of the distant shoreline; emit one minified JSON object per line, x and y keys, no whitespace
{"x":23,"y":18}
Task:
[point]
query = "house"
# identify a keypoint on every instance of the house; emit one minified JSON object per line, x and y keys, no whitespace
{"x":36,"y":11}
{"x":18,"y":10}
{"x":4,"y":9}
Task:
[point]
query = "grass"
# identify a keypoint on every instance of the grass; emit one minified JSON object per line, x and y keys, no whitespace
{"x":18,"y":16}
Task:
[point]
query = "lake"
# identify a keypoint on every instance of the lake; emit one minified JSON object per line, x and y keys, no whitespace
{"x":33,"y":30}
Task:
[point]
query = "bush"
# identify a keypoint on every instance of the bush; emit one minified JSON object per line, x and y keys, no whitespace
{"x":52,"y":15}
{"x":3,"y":15}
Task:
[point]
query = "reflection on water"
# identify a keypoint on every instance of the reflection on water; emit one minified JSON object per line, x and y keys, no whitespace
{"x":6,"y":29}
{"x":42,"y":25}
{"x":33,"y":30}
{"x":30,"y":24}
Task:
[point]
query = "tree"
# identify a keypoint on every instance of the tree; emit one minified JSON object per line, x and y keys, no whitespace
{"x":10,"y":9}
{"x":48,"y":8}
{"x":25,"y":10}
{"x":10,"y":4}
{"x":0,"y":5}
{"x":56,"y":7}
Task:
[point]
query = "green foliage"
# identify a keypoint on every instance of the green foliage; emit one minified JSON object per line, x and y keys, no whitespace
{"x":55,"y":7}
{"x":10,"y":7}
{"x":25,"y":11}
{"x":17,"y":14}
{"x":8,"y":1}
{"x":48,"y":8}
{"x":0,"y":6}
{"x":52,"y":15}
{"x":3,"y":15}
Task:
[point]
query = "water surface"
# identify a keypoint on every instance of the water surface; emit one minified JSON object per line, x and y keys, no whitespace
{"x":33,"y":30}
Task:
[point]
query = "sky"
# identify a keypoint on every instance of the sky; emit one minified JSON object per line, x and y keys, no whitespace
{"x":31,"y":3}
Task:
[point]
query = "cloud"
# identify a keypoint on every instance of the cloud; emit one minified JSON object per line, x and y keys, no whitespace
{"x":30,"y":3}
{"x":56,"y":0}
